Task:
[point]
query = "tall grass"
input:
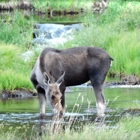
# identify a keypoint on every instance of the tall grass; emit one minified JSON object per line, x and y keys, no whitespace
{"x":125,"y":129}
{"x":16,"y":29}
{"x":61,"y":5}
{"x":117,"y":31}
{"x":14,"y":71}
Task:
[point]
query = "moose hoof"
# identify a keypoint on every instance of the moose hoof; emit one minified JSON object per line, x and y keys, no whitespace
{"x":42,"y":116}
{"x":100,"y":120}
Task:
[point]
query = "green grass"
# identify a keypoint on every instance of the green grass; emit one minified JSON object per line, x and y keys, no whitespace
{"x":14,"y":71}
{"x":125,"y":129}
{"x":117,"y":31}
{"x":61,"y":5}
{"x":15,"y":29}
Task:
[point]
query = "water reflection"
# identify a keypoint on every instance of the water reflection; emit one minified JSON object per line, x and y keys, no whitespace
{"x":80,"y":108}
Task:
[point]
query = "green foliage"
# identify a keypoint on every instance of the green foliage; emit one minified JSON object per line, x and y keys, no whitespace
{"x":15,"y":29}
{"x":60,"y":5}
{"x":117,"y":31}
{"x":14,"y":71}
{"x":4,"y":0}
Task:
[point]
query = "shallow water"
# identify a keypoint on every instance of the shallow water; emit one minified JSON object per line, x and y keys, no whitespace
{"x":80,"y":103}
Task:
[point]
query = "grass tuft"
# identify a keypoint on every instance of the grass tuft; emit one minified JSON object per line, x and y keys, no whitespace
{"x":14,"y":71}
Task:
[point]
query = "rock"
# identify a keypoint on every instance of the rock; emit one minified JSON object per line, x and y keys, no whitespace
{"x":6,"y":94}
{"x":27,"y":55}
{"x":130,"y":80}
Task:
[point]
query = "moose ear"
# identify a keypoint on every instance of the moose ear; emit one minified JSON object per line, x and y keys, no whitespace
{"x":61,"y":78}
{"x":46,"y":79}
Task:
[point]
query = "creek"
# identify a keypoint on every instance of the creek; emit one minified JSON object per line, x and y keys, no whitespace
{"x":80,"y":103}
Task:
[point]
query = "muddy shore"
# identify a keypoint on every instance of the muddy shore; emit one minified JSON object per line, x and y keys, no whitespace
{"x":26,"y":93}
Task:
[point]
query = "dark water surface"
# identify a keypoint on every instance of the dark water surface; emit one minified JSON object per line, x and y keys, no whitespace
{"x":80,"y":102}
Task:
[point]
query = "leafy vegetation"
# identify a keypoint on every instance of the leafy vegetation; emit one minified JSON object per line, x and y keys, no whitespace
{"x":14,"y":71}
{"x":117,"y":31}
{"x":15,"y":29}
{"x":61,"y":5}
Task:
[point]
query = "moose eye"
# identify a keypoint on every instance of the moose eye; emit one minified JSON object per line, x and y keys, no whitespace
{"x":52,"y":97}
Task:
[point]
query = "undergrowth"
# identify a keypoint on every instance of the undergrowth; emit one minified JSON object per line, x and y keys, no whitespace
{"x":14,"y":71}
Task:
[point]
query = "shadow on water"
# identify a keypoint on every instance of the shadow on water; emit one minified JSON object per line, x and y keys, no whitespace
{"x":80,"y":109}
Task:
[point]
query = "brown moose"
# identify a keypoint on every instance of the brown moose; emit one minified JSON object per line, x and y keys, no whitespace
{"x":57,"y":69}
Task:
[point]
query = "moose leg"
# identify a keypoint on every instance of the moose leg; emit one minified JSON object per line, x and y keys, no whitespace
{"x":42,"y":103}
{"x":42,"y":100}
{"x":63,"y":100}
{"x":41,"y":94}
{"x":99,"y":96}
{"x":100,"y":100}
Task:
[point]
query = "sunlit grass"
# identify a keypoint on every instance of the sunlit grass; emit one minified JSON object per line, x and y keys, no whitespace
{"x":62,"y":5}
{"x":117,"y":31}
{"x":125,"y":51}
{"x":123,"y":47}
{"x":126,"y":128}
{"x":12,"y":133}
{"x":15,"y":29}
{"x":14,"y":71}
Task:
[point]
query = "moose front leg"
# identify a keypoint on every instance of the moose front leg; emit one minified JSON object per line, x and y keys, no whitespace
{"x":42,"y":100}
{"x":42,"y":103}
{"x":62,"y":88}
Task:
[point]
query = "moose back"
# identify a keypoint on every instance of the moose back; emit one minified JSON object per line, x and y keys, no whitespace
{"x":56,"y":69}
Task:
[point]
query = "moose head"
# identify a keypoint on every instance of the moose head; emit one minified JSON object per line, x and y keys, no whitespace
{"x":53,"y":93}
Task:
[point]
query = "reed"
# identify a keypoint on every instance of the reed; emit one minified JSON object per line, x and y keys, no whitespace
{"x":126,"y":128}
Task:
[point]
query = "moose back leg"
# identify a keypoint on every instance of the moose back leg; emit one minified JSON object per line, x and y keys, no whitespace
{"x":97,"y":84}
{"x":100,"y":100}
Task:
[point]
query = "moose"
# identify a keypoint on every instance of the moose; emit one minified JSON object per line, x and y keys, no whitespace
{"x":57,"y":69}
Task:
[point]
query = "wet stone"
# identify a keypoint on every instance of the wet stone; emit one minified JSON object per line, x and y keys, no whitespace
{"x":17,"y":94}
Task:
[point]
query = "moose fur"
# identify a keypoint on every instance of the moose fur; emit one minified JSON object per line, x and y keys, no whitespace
{"x":57,"y":69}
